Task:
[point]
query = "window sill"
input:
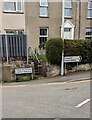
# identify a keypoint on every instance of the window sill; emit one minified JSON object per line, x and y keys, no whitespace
{"x":67,"y":17}
{"x":13,"y":12}
{"x":89,"y":18}
{"x":43,"y":16}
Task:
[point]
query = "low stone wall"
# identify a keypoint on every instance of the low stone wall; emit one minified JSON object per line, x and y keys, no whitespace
{"x":45,"y":69}
{"x":8,"y":71}
{"x":82,"y":67}
{"x":48,"y":70}
{"x":52,"y":70}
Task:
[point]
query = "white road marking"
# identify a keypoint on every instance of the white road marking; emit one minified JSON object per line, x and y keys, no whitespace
{"x":82,"y":103}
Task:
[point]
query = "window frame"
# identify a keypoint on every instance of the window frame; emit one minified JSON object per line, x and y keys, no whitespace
{"x":14,"y":31}
{"x":89,"y":30}
{"x":44,"y":36}
{"x":16,"y":6}
{"x":89,"y":8}
{"x":68,"y":8}
{"x":44,"y":6}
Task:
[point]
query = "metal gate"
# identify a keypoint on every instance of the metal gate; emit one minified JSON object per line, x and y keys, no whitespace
{"x":13,"y":46}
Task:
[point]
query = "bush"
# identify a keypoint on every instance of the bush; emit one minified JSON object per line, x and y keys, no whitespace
{"x":78,"y":48}
{"x":81,"y":48}
{"x":20,"y":79}
{"x":54,"y":50}
{"x":42,"y":57}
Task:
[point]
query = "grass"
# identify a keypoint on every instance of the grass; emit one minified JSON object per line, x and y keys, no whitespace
{"x":40,"y":57}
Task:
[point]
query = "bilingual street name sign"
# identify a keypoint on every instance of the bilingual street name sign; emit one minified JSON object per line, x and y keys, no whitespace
{"x":23,"y":70}
{"x":69,"y":59}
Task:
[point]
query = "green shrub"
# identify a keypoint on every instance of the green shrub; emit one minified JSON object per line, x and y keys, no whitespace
{"x":78,"y":47}
{"x":42,"y":57}
{"x":53,"y":50}
{"x":20,"y":79}
{"x":81,"y":48}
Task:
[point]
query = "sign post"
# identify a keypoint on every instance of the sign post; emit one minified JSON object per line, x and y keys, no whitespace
{"x":62,"y":36}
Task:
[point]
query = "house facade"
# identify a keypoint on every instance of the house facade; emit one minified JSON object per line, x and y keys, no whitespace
{"x":44,"y":20}
{"x":12,"y":18}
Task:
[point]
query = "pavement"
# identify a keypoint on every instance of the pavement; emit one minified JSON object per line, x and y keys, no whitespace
{"x":77,"y":76}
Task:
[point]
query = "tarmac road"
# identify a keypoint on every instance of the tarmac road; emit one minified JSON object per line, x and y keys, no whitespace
{"x":46,"y":100}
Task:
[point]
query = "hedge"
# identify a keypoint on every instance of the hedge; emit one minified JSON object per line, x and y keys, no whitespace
{"x":79,"y":47}
{"x":71,"y":48}
{"x":53,"y":50}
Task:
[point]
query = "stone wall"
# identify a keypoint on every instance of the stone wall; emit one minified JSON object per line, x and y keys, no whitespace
{"x":48,"y":70}
{"x":52,"y":70}
{"x":8,"y":71}
{"x":45,"y":69}
{"x":82,"y":67}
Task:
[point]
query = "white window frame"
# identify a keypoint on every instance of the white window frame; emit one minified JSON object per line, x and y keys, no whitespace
{"x":89,"y":9}
{"x":90,"y":30}
{"x":70,"y":8}
{"x":68,"y":25}
{"x":44,"y":6}
{"x":16,"y":6}
{"x":46,"y":36}
{"x":13,"y":31}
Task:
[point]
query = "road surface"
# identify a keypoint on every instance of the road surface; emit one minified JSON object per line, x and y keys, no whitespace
{"x":46,"y":100}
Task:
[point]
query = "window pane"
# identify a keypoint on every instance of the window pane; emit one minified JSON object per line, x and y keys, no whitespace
{"x":42,"y":40}
{"x":88,"y":34}
{"x":90,"y":4}
{"x":43,"y":2}
{"x":15,"y":32}
{"x":10,"y":32}
{"x":68,"y":4}
{"x":43,"y":31}
{"x":90,"y":13}
{"x":19,"y":6}
{"x":44,"y":11}
{"x":67,"y":12}
{"x":67,"y":29}
{"x":10,"y":6}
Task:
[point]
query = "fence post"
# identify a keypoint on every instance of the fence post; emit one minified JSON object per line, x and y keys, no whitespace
{"x":6,"y":48}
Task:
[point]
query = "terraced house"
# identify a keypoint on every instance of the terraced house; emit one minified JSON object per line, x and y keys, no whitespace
{"x":12,"y":16}
{"x":42,"y":20}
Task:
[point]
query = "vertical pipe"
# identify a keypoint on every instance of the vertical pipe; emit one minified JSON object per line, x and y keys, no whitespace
{"x":27,"y":44}
{"x":79,"y":19}
{"x":6,"y":48}
{"x":62,"y":36}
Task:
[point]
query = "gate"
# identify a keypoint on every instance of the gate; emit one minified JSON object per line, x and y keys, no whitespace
{"x":13,"y":46}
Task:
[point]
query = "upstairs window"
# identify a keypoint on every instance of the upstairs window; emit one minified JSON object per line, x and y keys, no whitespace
{"x":89,"y":9}
{"x":43,"y":3}
{"x":68,"y":8}
{"x":43,"y":8}
{"x":13,"y":6}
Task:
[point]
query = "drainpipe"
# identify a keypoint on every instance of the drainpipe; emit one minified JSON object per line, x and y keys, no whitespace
{"x":79,"y":19}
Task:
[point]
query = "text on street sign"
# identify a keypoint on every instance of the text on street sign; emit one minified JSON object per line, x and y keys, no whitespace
{"x":23,"y":70}
{"x":68,"y":59}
